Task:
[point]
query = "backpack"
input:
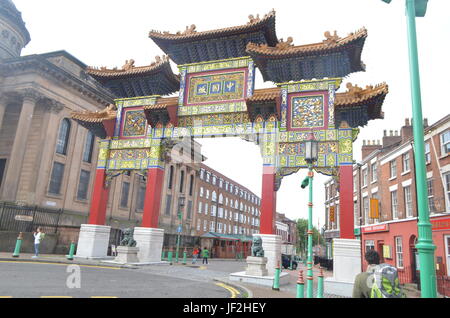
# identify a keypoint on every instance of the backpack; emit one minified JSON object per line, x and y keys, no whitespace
{"x":385,"y":282}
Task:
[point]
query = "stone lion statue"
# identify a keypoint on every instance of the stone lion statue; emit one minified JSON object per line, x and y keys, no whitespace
{"x":128,"y":238}
{"x":257,"y":249}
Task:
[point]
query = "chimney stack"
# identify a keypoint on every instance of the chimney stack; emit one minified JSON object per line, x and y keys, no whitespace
{"x":368,"y":147}
{"x":406,"y":132}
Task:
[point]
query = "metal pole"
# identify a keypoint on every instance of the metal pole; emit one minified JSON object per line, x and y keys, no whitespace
{"x":309,"y":281}
{"x":320,"y":284}
{"x":300,"y":286}
{"x":425,"y":245}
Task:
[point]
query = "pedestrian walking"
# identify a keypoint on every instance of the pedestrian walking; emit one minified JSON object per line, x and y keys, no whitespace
{"x":195,"y":255}
{"x":364,"y":281}
{"x":38,"y":236}
{"x":205,"y":255}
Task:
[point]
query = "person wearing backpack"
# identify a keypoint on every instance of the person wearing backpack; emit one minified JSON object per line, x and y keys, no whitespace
{"x":364,"y":281}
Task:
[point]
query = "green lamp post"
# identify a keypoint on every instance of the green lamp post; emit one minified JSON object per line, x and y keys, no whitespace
{"x":180,"y":227}
{"x":425,"y":245}
{"x":311,"y":151}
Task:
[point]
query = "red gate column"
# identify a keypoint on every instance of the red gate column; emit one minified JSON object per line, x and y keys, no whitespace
{"x":152,"y":203}
{"x":99,"y":200}
{"x":346,"y":210}
{"x":268,"y":201}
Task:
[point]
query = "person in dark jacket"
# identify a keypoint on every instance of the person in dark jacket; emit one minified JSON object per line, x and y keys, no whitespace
{"x":363,"y":281}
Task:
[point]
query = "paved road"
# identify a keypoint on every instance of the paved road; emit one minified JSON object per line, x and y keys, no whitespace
{"x":20,"y":279}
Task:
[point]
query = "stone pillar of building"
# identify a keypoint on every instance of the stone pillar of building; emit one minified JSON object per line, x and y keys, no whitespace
{"x":149,"y":237}
{"x":346,"y":210}
{"x":346,"y":265}
{"x":3,"y":104}
{"x":14,"y":165}
{"x":94,"y":237}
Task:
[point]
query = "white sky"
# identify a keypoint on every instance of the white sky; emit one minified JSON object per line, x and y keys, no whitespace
{"x":108,"y":32}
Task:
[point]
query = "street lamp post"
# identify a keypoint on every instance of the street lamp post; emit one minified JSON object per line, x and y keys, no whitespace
{"x":180,"y":226}
{"x":311,"y":150}
{"x":425,"y":245}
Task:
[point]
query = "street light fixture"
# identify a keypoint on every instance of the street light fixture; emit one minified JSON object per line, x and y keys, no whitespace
{"x":425,"y":245}
{"x":311,"y":154}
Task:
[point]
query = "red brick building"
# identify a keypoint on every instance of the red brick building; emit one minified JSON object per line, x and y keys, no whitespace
{"x":386,"y":173}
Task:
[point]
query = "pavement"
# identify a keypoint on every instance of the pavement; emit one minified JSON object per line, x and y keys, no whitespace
{"x":217,"y":271}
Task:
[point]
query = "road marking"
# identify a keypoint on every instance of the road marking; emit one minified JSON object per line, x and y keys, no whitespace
{"x":5,"y":296}
{"x":104,"y":297}
{"x":61,"y":264}
{"x":202,"y":267}
{"x":56,"y":297}
{"x":233,"y":291}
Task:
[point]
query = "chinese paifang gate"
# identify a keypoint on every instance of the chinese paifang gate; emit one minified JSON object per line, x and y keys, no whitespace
{"x":216,"y":98}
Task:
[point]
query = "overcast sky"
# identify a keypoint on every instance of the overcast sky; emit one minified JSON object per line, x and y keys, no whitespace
{"x":108,"y":32}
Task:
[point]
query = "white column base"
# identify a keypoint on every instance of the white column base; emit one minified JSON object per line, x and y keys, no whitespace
{"x":127,"y":255}
{"x":93,"y":241}
{"x":256,"y":266}
{"x":272,"y":251}
{"x":150,"y":243}
{"x":346,"y":265}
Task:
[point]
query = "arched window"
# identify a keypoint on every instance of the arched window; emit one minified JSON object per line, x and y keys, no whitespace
{"x":182,"y":182}
{"x":88,"y":147}
{"x":170,"y":177}
{"x":191,"y":185}
{"x":63,"y":137}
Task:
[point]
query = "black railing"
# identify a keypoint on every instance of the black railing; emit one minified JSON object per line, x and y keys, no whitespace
{"x":21,"y":218}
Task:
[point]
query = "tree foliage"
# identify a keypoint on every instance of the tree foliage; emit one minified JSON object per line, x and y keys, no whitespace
{"x":302,"y":232}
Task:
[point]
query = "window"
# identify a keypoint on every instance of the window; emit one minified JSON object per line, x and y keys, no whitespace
{"x":220,"y":213}
{"x":83,"y":185}
{"x":2,"y":169}
{"x":207,"y":194}
{"x":430,"y":189}
{"x":364,"y":177}
{"x":406,"y":162}
{"x":220,"y":198}
{"x":370,"y":245}
{"x":445,"y":143}
{"x":189,"y":210}
{"x":125,"y":193}
{"x":211,"y":226}
{"x":398,"y":252}
{"x":366,"y":210}
{"x":200,"y":206}
{"x":182,"y":182}
{"x":56,"y":178}
{"x":393,"y":168}
{"x":214,"y":180}
{"x":191,"y":185}
{"x":427,"y":152}
{"x":63,"y":137}
{"x":140,"y":199}
{"x":221,"y":182}
{"x":198,"y":224}
{"x":213,"y":210}
{"x":204,"y":225}
{"x":214,"y":196}
{"x":394,"y":204}
{"x":208,"y":176}
{"x":447,"y":186}
{"x":206,"y":208}
{"x":408,"y":201}
{"x":202,"y":174}
{"x":201,"y":192}
{"x":88,"y":147}
{"x":168,"y":204}
{"x":170,"y":177}
{"x":373,"y":167}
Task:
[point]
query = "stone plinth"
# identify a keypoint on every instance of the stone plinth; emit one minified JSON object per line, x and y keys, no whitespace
{"x":346,"y":265}
{"x":259,"y":280}
{"x":256,"y":266}
{"x":93,"y":241}
{"x":150,"y":242}
{"x":272,"y":251}
{"x":127,"y":255}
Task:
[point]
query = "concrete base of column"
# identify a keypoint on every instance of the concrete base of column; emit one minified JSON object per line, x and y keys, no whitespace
{"x":150,"y":243}
{"x":93,"y":241}
{"x":346,"y":265}
{"x":242,"y":277}
{"x":272,"y":251}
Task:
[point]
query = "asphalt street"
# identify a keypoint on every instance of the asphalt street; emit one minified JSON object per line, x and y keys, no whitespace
{"x":23,"y":280}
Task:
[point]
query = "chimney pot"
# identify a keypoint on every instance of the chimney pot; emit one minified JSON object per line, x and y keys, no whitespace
{"x":364,"y":142}
{"x":390,"y":133}
{"x":385,"y":132}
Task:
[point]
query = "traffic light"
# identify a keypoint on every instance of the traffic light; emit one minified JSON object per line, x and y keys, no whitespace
{"x":305,"y":183}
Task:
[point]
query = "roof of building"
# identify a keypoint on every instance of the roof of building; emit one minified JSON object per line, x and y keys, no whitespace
{"x":95,"y":121}
{"x":132,"y":81}
{"x":333,"y":57}
{"x":9,"y":11}
{"x":191,"y":46}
